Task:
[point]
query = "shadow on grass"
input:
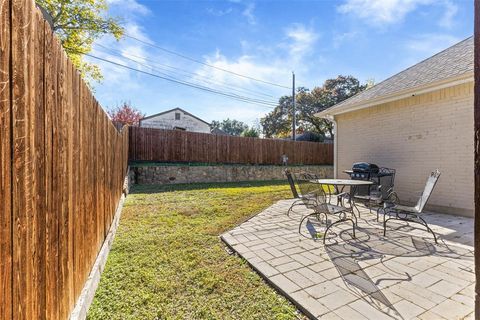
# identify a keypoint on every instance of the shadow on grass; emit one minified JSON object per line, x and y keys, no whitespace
{"x":157,"y":188}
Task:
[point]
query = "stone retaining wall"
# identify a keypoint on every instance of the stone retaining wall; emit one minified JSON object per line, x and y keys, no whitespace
{"x":171,"y":174}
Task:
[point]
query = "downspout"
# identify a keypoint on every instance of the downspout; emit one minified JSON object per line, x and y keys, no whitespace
{"x":335,"y":143}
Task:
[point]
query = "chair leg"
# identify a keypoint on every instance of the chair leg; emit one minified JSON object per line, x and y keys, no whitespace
{"x":295,"y":203}
{"x":355,"y":206}
{"x":309,"y":215}
{"x":384,"y":224}
{"x":428,"y":229}
{"x":421,"y":222}
{"x":355,"y":217}
{"x":289,"y":209}
{"x":336,"y":222}
{"x":378,"y":212}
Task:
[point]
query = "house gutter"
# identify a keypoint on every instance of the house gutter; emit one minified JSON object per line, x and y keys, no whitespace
{"x":465,"y":78}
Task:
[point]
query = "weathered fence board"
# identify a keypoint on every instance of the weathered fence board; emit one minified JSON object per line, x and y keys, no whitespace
{"x":148,"y":144}
{"x":5,"y":165}
{"x":62,"y":167}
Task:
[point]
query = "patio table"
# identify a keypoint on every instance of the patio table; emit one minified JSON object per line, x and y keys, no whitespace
{"x":342,"y":183}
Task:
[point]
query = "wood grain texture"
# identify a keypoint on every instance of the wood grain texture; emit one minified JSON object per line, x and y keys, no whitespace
{"x":38,"y":221}
{"x":22,"y":163}
{"x":62,"y":167}
{"x":148,"y":144}
{"x":5,"y":165}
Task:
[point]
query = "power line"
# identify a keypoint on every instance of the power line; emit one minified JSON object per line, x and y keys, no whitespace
{"x":182,"y":70}
{"x":233,"y":96}
{"x":205,"y":64}
{"x":166,"y":68}
{"x":199,"y":85}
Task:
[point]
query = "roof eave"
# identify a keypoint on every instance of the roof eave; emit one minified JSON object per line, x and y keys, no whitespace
{"x":177,"y":108}
{"x":450,"y":82}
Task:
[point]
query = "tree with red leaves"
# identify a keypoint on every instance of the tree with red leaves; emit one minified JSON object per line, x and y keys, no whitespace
{"x":125,"y":114}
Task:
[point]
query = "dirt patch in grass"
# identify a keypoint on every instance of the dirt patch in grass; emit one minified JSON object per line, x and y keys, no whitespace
{"x":167,"y":261}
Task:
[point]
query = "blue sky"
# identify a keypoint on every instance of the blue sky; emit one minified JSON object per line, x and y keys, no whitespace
{"x":267,"y":40}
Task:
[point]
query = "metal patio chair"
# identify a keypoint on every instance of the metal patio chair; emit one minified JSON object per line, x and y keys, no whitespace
{"x":316,"y":199}
{"x":412,"y":214}
{"x":291,"y":181}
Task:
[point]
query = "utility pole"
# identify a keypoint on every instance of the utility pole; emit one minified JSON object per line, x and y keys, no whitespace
{"x":294,"y":116}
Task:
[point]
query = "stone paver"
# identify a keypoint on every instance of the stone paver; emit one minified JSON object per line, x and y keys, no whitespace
{"x":451,"y":309}
{"x":407,"y":309}
{"x":404,"y":275}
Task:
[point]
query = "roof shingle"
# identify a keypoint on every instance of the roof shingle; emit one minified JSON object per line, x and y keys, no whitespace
{"x":451,"y":62}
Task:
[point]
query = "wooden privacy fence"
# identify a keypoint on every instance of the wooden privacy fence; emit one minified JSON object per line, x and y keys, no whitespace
{"x":62,"y":167}
{"x":148,"y":144}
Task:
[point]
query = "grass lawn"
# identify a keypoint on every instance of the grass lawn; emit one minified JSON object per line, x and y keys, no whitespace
{"x":167,"y":261}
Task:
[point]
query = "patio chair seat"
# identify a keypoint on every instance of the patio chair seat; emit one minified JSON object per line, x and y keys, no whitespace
{"x":333,"y":208}
{"x":399,"y":207}
{"x":377,"y":197}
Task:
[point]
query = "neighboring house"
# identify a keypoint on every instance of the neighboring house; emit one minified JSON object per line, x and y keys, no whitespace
{"x":416,"y":121}
{"x":175,"y":119}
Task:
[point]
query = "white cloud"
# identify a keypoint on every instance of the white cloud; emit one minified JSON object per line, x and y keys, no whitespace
{"x":248,"y":13}
{"x":245,"y":65}
{"x":380,"y":12}
{"x":272,"y":65}
{"x":135,"y":30}
{"x":386,"y":12}
{"x":117,"y":78}
{"x":219,"y":12}
{"x":301,"y":39}
{"x":424,"y":46}
{"x":429,"y":44}
{"x":451,"y":10}
{"x":340,"y":38}
{"x":129,"y":6}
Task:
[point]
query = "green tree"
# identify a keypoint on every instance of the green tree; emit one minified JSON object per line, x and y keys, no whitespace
{"x":232,"y":127}
{"x":78,"y":23}
{"x":278,"y":123}
{"x":251,"y":132}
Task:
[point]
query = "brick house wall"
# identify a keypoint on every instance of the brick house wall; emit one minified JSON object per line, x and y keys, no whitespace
{"x":416,"y":135}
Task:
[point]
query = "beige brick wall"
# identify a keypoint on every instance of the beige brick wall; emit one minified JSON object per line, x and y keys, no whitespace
{"x":414,"y":136}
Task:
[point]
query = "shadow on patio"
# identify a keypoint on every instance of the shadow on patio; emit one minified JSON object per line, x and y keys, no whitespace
{"x":403,"y":275}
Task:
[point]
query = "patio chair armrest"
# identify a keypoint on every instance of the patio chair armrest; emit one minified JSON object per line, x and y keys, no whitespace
{"x":392,"y":198}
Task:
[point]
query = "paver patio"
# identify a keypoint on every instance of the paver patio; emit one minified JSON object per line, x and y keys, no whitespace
{"x":404,"y":275}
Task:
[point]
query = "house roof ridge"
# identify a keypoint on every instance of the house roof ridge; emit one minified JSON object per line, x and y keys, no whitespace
{"x":173,"y":109}
{"x":358,"y":97}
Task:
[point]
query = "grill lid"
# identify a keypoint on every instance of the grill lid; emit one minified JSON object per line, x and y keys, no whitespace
{"x":365,"y":167}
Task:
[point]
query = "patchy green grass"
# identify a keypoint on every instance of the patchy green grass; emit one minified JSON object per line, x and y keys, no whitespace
{"x":167,"y":261}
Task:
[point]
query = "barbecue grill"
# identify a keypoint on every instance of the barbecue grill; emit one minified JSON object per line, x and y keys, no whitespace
{"x":382,"y":178}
